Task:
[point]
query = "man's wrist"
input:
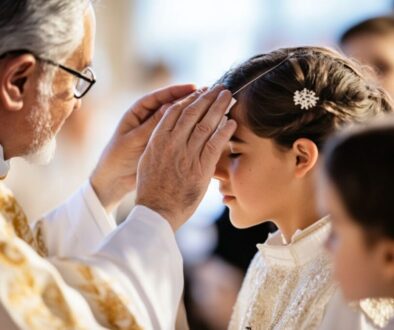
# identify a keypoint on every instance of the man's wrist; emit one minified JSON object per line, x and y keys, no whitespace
{"x":103,"y":197}
{"x":165,"y":212}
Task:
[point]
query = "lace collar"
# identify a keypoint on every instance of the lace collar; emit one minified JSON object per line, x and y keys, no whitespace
{"x":305,"y":244}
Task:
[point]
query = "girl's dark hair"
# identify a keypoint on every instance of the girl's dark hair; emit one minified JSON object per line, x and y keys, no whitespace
{"x":360,"y":166}
{"x":267,"y":105}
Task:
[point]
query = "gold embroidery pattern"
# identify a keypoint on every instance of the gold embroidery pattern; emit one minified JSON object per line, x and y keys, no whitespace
{"x":11,"y":255}
{"x":111,"y":307}
{"x":39,"y":238}
{"x":277,"y":295}
{"x":379,"y":311}
{"x":14,"y":215}
{"x":297,"y":287}
{"x":29,"y":292}
{"x":55,"y":301}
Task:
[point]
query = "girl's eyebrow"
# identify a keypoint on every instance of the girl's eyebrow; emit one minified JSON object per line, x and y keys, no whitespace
{"x":236,"y":139}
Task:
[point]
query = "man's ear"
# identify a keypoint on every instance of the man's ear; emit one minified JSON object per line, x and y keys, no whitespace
{"x":306,"y":154}
{"x":14,"y":74}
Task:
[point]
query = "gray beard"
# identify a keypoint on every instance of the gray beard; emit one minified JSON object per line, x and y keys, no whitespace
{"x":43,"y":155}
{"x":43,"y":146}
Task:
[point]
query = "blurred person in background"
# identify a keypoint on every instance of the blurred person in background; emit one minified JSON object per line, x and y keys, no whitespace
{"x":361,"y":241}
{"x":371,"y":42}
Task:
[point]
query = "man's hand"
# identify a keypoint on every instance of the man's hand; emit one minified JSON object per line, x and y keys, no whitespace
{"x":115,"y":173}
{"x":180,"y":158}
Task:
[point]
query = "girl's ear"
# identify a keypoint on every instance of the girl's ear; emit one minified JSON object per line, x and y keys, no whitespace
{"x":306,"y":155}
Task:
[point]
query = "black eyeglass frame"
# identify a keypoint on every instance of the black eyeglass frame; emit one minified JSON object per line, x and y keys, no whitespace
{"x":61,"y":66}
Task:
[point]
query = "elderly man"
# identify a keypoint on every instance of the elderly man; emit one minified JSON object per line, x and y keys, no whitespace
{"x":62,"y":273}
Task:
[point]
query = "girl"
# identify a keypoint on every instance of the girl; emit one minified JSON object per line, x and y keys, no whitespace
{"x":289,"y":102}
{"x":359,"y":167}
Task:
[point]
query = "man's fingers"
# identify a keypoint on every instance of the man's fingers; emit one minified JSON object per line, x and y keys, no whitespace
{"x":172,"y":113}
{"x":146,"y":106}
{"x":209,"y":123}
{"x":165,"y":95}
{"x":214,"y":146}
{"x":143,"y":132}
{"x":195,"y":111}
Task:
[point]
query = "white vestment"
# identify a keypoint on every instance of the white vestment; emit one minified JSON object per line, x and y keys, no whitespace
{"x":85,"y":278}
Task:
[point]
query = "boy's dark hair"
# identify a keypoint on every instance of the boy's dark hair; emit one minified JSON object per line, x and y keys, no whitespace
{"x":380,"y":25}
{"x":267,"y":105}
{"x":360,"y":165}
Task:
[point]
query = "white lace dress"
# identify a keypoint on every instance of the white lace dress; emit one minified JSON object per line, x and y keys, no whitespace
{"x":287,"y":286}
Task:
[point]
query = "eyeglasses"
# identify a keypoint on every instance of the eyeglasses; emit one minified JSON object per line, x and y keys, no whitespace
{"x":85,"y":79}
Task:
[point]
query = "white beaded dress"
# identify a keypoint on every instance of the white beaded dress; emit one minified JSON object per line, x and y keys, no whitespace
{"x":287,"y":286}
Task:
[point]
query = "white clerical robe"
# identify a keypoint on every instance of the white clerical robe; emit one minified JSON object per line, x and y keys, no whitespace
{"x":63,"y":275}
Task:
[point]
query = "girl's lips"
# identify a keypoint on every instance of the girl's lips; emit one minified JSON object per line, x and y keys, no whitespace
{"x":227,"y":199}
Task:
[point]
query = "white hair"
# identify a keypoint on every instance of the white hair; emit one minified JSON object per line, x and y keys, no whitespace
{"x":51,"y":29}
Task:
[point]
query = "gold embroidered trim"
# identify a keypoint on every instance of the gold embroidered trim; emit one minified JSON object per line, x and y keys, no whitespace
{"x":112,"y":308}
{"x":378,"y":310}
{"x":14,"y":215}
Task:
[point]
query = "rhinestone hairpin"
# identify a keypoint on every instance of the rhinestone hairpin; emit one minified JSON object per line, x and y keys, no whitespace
{"x":233,"y":101}
{"x":306,"y":98}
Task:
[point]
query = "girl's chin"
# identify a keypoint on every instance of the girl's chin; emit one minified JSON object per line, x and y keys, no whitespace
{"x":242,"y":221}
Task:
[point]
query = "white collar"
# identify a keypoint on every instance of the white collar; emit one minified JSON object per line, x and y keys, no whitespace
{"x":4,"y":164}
{"x":305,"y":244}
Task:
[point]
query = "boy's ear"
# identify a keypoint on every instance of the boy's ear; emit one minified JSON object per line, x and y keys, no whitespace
{"x":306,"y":155}
{"x":387,"y":258}
{"x":14,"y":74}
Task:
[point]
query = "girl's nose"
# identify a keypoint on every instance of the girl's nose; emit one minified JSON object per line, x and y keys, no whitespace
{"x":221,"y":167}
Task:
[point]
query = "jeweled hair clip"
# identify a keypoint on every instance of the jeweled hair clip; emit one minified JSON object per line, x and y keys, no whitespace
{"x":306,"y":98}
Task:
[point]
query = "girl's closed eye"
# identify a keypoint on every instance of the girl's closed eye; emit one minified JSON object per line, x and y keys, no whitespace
{"x":233,"y":151}
{"x":236,"y":143}
{"x":233,"y":155}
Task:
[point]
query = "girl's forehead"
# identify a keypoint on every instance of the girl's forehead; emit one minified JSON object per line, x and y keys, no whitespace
{"x":237,"y":112}
{"x":243,"y":134}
